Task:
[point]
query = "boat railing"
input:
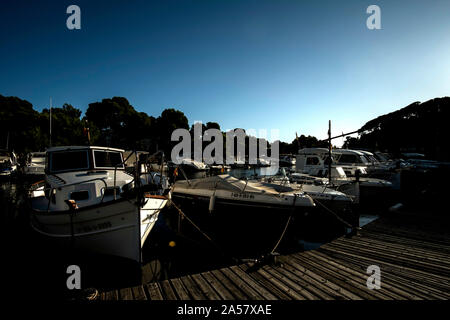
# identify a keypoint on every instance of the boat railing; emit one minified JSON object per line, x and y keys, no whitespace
{"x":115,"y":172}
{"x":138,"y":172}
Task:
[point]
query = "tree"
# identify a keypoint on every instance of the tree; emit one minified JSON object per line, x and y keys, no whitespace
{"x":166,"y":123}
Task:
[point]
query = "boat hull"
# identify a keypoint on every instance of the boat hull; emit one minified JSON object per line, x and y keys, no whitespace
{"x":110,"y":228}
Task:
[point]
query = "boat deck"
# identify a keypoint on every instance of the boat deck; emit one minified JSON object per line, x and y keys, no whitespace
{"x":412,"y":251}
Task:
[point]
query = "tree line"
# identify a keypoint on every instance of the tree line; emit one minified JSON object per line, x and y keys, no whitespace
{"x":418,"y":127}
{"x":114,"y":122}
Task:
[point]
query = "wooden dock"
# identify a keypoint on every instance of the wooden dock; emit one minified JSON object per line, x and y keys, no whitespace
{"x":412,"y":251}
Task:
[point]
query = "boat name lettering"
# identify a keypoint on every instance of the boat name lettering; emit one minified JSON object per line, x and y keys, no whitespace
{"x":242,"y":195}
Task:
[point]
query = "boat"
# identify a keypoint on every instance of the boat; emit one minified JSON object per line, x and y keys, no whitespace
{"x":8,"y":163}
{"x":263,"y":162}
{"x":239,"y":164}
{"x":321,"y":194}
{"x":35,"y":165}
{"x":228,"y":191}
{"x":236,"y":213}
{"x":90,"y":203}
{"x":287,"y":160}
{"x":219,"y":168}
{"x":313,"y":161}
{"x":189,"y":165}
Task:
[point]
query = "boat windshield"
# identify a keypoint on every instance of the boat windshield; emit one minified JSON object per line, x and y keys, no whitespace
{"x":69,"y":160}
{"x":107,"y":159}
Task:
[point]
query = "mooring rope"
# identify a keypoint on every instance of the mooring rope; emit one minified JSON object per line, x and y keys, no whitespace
{"x":282,"y":235}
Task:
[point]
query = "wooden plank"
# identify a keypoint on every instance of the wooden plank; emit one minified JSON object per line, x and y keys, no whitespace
{"x":154,"y":291}
{"x":223,"y":292}
{"x":413,"y":263}
{"x":167,"y":290}
{"x":424,"y":237}
{"x":411,"y":274}
{"x":274,"y":271}
{"x":126,"y":294}
{"x":280,"y":285}
{"x":280,"y":294}
{"x":321,"y":287}
{"x":179,"y":289}
{"x":324,"y":283}
{"x":192,"y":288}
{"x":112,"y":295}
{"x":403,"y":252}
{"x":352,"y":284}
{"x":252,"y":283}
{"x":138,"y":293}
{"x":249,"y":291}
{"x":207,"y":290}
{"x":377,"y":259}
{"x":237,"y":293}
{"x":389,"y":234}
{"x":407,"y":246}
{"x":385,"y":284}
{"x":390,"y":273}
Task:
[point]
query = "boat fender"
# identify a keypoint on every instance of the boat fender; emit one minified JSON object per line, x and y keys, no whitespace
{"x":212,"y":202}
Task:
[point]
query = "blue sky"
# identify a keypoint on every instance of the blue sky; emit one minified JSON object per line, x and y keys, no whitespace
{"x":287,"y":65}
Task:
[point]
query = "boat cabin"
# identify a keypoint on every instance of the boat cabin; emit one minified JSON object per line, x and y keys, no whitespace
{"x":314,"y":161}
{"x":87,"y":175}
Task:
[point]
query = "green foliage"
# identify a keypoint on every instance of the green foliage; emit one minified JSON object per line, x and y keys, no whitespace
{"x":418,"y":127}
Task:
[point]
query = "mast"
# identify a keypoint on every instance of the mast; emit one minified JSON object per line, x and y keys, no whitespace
{"x":7,"y":141}
{"x":329,"y":151}
{"x":50,"y":144}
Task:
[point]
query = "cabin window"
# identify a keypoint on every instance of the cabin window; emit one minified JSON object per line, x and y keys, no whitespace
{"x":110,"y":191}
{"x":312,"y":161}
{"x":107,"y":159}
{"x":79,"y":195}
{"x":69,"y":160}
{"x":349,"y":158}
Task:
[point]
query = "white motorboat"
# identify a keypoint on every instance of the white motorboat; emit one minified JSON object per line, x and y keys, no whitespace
{"x":349,"y":185}
{"x":35,"y":164}
{"x":228,"y":191}
{"x":313,"y":161}
{"x":190,"y":165}
{"x":219,"y":168}
{"x":90,"y":203}
{"x":8,"y":163}
{"x":287,"y":160}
